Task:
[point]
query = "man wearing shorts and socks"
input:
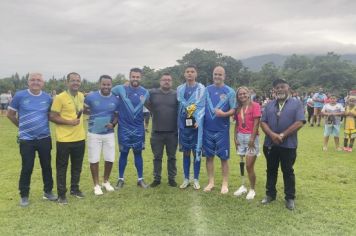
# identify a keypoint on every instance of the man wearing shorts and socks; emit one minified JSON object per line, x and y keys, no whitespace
{"x":131,"y":131}
{"x":66,"y":113}
{"x":220,"y":105}
{"x":191,"y":98}
{"x":29,"y":111}
{"x":101,"y":105}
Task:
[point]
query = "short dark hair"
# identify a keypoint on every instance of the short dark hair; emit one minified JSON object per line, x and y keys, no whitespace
{"x":191,"y":66}
{"x":72,"y":73}
{"x":136,"y":69}
{"x":105,"y":77}
{"x":167,"y":74}
{"x":278,"y":81}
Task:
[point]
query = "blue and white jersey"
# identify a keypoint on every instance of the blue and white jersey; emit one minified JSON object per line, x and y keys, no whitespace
{"x":223,"y":98}
{"x":102,"y":111}
{"x":33,"y":114}
{"x":130,"y":108}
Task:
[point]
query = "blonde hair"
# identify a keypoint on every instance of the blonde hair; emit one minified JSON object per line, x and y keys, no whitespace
{"x":237,"y":97}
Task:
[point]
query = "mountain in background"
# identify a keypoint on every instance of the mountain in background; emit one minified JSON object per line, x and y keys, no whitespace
{"x":255,"y":63}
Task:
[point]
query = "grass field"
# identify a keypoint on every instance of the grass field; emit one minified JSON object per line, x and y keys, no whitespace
{"x":325,"y":204}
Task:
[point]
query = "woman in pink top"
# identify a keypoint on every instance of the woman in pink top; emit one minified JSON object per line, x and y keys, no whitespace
{"x":247,"y":119}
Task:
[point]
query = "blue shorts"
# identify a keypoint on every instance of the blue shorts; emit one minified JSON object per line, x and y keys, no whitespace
{"x":188,"y":139}
{"x":216,"y":143}
{"x":243,"y":149}
{"x":331,"y":130}
{"x":134,"y":139}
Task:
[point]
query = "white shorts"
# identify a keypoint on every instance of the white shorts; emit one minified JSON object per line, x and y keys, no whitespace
{"x":98,"y":143}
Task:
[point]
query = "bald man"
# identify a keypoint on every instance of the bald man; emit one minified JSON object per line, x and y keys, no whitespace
{"x":29,"y":111}
{"x":220,"y":105}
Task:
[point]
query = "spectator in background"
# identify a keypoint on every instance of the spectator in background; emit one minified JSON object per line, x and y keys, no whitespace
{"x":318,"y":99}
{"x":350,"y":124}
{"x":332,"y":112}
{"x":146,"y":117}
{"x":310,"y":108}
{"x":5,"y":99}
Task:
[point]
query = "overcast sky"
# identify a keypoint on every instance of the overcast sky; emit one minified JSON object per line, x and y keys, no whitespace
{"x":111,"y":36}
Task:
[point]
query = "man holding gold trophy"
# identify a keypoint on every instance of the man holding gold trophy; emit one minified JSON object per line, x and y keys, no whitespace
{"x":191,"y":98}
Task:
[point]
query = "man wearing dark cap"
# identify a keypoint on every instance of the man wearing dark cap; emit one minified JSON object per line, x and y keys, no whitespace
{"x":281,"y":119}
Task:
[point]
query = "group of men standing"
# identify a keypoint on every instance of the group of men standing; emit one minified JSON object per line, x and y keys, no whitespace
{"x":195,"y":117}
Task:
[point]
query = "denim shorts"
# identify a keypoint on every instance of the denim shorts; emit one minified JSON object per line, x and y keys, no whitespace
{"x":331,"y":130}
{"x":243,"y":149}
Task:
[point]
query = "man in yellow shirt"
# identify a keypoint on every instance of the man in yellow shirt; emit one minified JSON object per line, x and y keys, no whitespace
{"x":66,"y":113}
{"x":350,"y":123}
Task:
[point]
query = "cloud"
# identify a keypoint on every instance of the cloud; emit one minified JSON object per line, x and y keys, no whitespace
{"x":110,"y":37}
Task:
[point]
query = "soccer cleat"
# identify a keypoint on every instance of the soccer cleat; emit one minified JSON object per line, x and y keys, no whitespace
{"x":120,"y":184}
{"x":240,"y":191}
{"x":98,"y":191}
{"x":142,"y":184}
{"x":185,"y":184}
{"x":196,"y":184}
{"x":251,"y":194}
{"x":107,"y":186}
{"x":24,"y":202}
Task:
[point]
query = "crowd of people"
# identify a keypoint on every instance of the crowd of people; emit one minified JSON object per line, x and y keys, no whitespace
{"x":193,"y":118}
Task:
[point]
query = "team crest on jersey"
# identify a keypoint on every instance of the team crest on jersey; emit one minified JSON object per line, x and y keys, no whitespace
{"x":223,"y":96}
{"x":142,"y":98}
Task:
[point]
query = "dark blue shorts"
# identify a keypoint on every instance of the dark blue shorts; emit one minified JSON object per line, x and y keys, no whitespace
{"x":188,"y":139}
{"x":216,"y":143}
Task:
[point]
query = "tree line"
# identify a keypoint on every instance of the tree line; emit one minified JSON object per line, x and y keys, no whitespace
{"x":305,"y":74}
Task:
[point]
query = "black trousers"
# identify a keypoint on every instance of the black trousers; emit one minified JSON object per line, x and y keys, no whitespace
{"x":76,"y":152}
{"x":310,"y":111}
{"x":159,"y":140}
{"x":287,"y":157}
{"x":28,"y":150}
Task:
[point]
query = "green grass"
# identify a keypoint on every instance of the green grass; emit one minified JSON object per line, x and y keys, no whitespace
{"x":325,"y":203}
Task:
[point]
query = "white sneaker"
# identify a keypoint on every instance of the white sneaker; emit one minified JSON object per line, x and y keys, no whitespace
{"x":97,"y":190}
{"x":251,"y":194}
{"x":196,"y":184}
{"x":240,"y":191}
{"x":185,"y":184}
{"x":108,"y":187}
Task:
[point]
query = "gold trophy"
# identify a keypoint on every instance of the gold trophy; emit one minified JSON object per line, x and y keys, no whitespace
{"x":190,"y":121}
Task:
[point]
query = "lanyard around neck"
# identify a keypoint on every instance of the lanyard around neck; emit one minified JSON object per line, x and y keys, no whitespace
{"x":243,"y":113}
{"x":75,"y":101}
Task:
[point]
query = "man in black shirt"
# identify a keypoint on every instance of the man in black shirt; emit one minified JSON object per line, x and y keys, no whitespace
{"x":163,"y":105}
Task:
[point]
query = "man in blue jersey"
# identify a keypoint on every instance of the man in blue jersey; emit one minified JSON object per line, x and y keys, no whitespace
{"x":101,"y":105}
{"x":191,"y":99}
{"x":319,"y":100}
{"x":29,"y":111}
{"x":131,"y":131}
{"x":220,"y":105}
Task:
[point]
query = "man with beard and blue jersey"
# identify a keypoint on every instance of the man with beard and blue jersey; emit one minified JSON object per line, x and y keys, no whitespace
{"x":220,"y":105}
{"x":131,"y":131}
